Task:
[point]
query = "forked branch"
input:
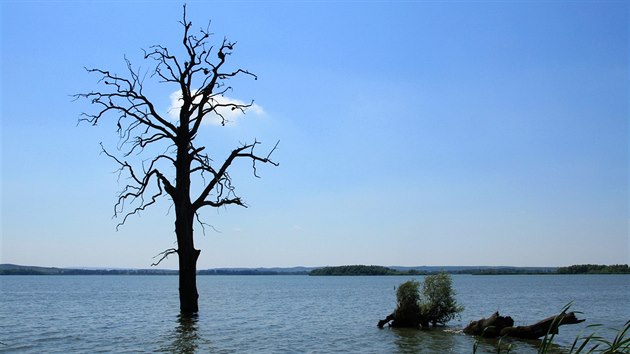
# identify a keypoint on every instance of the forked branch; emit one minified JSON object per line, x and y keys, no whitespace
{"x":139,"y":184}
{"x":163,"y":255}
{"x":221,"y":182}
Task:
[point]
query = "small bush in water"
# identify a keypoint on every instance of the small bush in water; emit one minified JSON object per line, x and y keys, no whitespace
{"x":435,"y":305}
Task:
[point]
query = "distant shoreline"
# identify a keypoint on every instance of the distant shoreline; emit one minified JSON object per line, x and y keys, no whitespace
{"x":351,"y":270}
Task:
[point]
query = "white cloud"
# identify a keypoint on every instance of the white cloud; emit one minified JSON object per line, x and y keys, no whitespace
{"x":231,"y":116}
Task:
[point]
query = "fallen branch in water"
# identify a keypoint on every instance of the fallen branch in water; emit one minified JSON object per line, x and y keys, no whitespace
{"x":496,"y":325}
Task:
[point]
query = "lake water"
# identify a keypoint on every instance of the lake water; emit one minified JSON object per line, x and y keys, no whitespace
{"x":281,"y":314}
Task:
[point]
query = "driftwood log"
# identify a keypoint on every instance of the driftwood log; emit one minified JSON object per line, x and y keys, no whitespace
{"x":387,"y":319}
{"x":490,"y":327}
{"x":404,"y":320}
{"x":496,"y":325}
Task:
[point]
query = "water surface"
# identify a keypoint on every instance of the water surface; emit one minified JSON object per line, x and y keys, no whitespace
{"x":280,"y":314}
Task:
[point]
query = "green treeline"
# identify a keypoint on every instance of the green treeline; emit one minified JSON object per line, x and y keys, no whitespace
{"x":8,"y":269}
{"x":361,"y":270}
{"x":63,"y":271}
{"x":379,"y":270}
{"x":594,"y":269}
{"x":508,"y":271}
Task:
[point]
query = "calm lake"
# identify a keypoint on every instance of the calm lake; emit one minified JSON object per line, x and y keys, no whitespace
{"x":281,"y":314}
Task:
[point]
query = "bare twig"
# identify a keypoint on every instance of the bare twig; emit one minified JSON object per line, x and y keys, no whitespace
{"x":163,"y":255}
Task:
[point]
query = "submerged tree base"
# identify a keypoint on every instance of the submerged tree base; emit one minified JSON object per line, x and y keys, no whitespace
{"x":404,"y":321}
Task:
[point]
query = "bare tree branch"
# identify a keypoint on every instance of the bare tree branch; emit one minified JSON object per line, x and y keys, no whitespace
{"x":139,"y":184}
{"x":203,"y":225}
{"x":164,"y":255}
{"x":126,"y":99}
{"x":255,"y":158}
{"x":222,"y":182}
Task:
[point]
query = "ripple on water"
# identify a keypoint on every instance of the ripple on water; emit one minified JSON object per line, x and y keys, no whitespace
{"x":275,"y":314}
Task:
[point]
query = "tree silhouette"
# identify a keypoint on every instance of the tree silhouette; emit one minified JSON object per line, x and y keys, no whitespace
{"x":200,"y":76}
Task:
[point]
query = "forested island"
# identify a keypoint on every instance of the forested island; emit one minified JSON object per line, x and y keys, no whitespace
{"x":255,"y":271}
{"x":350,"y":270}
{"x":362,"y":270}
{"x":595,"y":269}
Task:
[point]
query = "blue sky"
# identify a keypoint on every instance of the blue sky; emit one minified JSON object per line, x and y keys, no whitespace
{"x":411,"y":133}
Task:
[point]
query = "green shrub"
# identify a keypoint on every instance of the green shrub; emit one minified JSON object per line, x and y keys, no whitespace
{"x":435,"y":305}
{"x":407,"y":312}
{"x":438,"y":304}
{"x":408,"y":293}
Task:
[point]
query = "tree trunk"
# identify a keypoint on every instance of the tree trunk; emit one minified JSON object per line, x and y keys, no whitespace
{"x":188,"y":256}
{"x":495,"y":326}
{"x":387,"y":319}
{"x":541,"y":328}
{"x":188,"y":296}
{"x":409,"y":317}
{"x":184,"y":219}
{"x":490,"y":327}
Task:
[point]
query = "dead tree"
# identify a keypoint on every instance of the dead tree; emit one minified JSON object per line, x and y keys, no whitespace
{"x":201,"y":77}
{"x":496,"y":325}
{"x":489,"y":327}
{"x":541,"y":328}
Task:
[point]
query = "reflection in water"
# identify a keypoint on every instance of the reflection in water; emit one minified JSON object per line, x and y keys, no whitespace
{"x":410,"y":340}
{"x":515,"y":345}
{"x":185,"y":337}
{"x":449,"y":340}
